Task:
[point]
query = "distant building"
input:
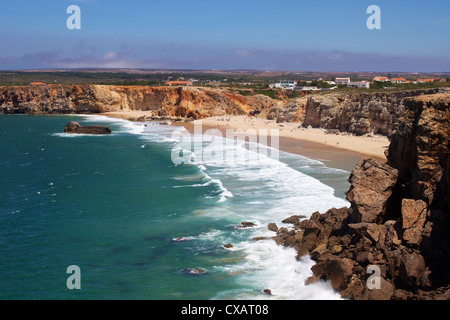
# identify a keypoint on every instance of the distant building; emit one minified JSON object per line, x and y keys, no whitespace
{"x":398,"y":80}
{"x":342,"y":81}
{"x":285,"y":84}
{"x":359,"y":84}
{"x":38,"y":84}
{"x":381,"y":79}
{"x":179,"y":83}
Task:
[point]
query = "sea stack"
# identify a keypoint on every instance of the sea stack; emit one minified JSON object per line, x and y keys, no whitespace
{"x":75,"y":127}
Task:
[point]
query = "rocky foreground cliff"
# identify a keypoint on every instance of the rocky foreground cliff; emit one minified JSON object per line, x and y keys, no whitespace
{"x":398,"y":223}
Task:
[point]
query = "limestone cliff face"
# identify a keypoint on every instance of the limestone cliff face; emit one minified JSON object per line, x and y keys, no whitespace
{"x":167,"y":101}
{"x":357,"y":113}
{"x":420,"y":147}
{"x":399,"y":219}
{"x":290,"y":111}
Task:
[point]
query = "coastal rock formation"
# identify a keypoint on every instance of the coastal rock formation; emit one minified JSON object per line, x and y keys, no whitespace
{"x":371,"y":187}
{"x":394,"y":240}
{"x":193,"y":103}
{"x":357,"y":113}
{"x":291,"y":111}
{"x":75,"y":127}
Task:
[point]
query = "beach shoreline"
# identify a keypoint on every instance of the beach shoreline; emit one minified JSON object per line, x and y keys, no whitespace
{"x":341,"y":151}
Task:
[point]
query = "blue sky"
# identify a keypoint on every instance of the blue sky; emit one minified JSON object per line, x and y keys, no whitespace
{"x":247,"y":34}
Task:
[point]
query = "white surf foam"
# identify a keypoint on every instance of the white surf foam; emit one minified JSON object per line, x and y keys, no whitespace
{"x":277,"y":191}
{"x":269,"y":191}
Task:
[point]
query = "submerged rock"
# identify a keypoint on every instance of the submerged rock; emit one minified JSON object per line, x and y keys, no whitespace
{"x":180,"y":239}
{"x":194,"y":271}
{"x":75,"y":127}
{"x":245,"y":225}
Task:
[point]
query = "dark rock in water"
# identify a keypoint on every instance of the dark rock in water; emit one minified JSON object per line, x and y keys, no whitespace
{"x":194,"y":271}
{"x":294,"y":219}
{"x":272,"y":227}
{"x":260,"y":238}
{"x":180,"y":239}
{"x":267,"y":292}
{"x":75,"y":127}
{"x":245,"y":225}
{"x":229,"y":245}
{"x":310,"y":280}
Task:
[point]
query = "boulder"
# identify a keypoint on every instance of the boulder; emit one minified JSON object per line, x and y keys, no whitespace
{"x":412,"y":267}
{"x":354,"y":289}
{"x":245,"y":225}
{"x":75,"y":127}
{"x":414,"y":215}
{"x":267,"y":292}
{"x":385,"y":292}
{"x":371,"y":231}
{"x":392,"y":233}
{"x":338,"y":272}
{"x":272,"y":227}
{"x":371,"y":187}
{"x":294,"y":219}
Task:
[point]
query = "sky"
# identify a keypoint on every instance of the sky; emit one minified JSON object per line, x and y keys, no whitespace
{"x":290,"y":35}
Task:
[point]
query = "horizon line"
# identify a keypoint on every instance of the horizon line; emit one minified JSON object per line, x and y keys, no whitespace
{"x":218,"y":70}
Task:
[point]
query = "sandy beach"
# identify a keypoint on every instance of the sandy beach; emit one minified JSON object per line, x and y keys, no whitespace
{"x":343,"y":150}
{"x":366,"y":146}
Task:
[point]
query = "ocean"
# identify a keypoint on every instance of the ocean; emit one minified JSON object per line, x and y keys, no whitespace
{"x":139,"y":226}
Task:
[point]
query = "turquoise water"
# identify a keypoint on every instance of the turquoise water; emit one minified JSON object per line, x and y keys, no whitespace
{"x":113,"y":205}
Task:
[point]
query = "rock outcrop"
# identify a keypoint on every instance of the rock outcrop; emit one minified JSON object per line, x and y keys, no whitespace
{"x":75,"y":127}
{"x":290,"y":111}
{"x":193,"y":103}
{"x":356,"y":113}
{"x":394,"y":240}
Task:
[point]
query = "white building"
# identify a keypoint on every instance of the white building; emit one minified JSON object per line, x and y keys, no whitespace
{"x":398,"y":80}
{"x":342,"y":81}
{"x":286,"y":84}
{"x":359,"y":84}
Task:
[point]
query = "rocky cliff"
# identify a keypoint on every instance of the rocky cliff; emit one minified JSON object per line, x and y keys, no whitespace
{"x":165,"y":101}
{"x":357,"y":113}
{"x":394,"y":240}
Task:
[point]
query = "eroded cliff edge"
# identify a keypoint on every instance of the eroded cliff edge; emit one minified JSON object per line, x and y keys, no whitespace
{"x":356,"y":113}
{"x":399,"y":218}
{"x":165,"y":101}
